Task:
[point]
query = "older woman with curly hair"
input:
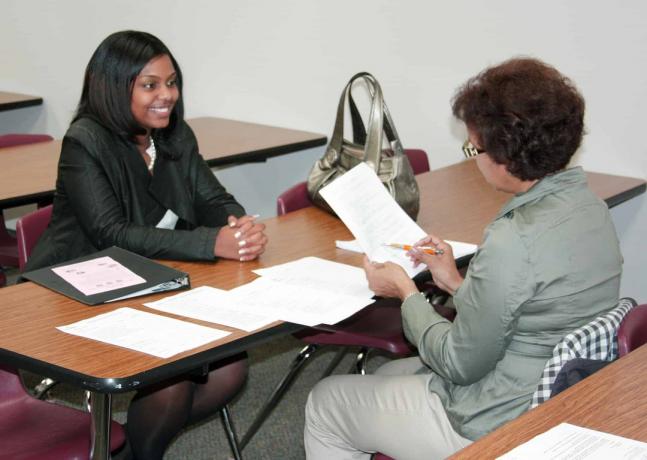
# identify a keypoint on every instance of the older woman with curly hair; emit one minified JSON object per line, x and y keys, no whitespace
{"x":548,"y":264}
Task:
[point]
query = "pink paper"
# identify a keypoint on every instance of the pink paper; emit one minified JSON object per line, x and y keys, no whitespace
{"x":98,"y":275}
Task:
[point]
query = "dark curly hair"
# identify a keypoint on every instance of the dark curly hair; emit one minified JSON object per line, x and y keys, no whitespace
{"x":526,"y":115}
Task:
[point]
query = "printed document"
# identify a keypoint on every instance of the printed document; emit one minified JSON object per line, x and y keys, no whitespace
{"x":296,"y":303}
{"x":566,"y":441}
{"x":98,"y":275}
{"x":321,"y":274}
{"x":372,"y":215}
{"x":207,"y":303}
{"x":145,"y":332}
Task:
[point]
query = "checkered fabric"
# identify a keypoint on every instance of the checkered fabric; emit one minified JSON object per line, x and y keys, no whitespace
{"x":595,"y":340}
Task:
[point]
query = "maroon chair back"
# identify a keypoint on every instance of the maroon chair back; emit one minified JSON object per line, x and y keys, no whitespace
{"x":632,"y":332}
{"x":32,"y":429}
{"x":418,"y":160}
{"x":29,"y":228}
{"x":9,"y":140}
{"x":293,"y":199}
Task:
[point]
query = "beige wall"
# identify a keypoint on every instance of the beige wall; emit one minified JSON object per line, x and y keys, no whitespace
{"x":285,"y":62}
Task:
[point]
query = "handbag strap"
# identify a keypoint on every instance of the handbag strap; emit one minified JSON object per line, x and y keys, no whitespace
{"x":373,"y":144}
{"x":359,"y":131}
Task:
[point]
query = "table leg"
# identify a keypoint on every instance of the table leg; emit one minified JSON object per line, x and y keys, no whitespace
{"x":100,"y":412}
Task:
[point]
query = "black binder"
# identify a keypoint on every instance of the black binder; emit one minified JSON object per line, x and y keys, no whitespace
{"x":157,"y":277}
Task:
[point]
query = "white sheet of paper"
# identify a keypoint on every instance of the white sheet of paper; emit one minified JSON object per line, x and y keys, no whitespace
{"x":296,"y":303}
{"x":207,"y":303}
{"x":459,"y":248}
{"x":372,"y":215}
{"x":322,"y":274}
{"x":566,"y":441}
{"x":145,"y":332}
{"x":98,"y":275}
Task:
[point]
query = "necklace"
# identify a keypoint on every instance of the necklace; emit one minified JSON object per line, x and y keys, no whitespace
{"x":152,"y":154}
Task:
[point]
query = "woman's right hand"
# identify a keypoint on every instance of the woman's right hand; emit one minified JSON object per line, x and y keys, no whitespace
{"x":242,"y":239}
{"x":442,"y":266}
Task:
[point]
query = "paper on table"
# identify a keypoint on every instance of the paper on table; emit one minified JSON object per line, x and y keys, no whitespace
{"x":459,"y":248}
{"x":207,"y":303}
{"x":321,"y":274}
{"x":98,"y":275}
{"x":146,"y":332}
{"x":296,"y":303}
{"x":567,"y":441}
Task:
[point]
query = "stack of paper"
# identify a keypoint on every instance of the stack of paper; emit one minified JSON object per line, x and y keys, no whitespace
{"x":308,"y":291}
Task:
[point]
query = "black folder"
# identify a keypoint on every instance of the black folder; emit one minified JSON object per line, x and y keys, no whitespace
{"x":157,"y":277}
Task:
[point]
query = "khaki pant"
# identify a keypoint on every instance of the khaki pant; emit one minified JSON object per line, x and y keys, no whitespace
{"x":392,"y":412}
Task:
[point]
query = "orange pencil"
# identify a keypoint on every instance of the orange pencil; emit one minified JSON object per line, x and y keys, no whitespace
{"x":407,"y":247}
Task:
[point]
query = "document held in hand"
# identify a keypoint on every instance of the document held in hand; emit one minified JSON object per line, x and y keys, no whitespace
{"x":109,"y":275}
{"x":373,"y":216}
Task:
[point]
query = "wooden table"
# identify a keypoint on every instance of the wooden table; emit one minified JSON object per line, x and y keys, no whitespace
{"x":28,"y":172}
{"x":456,"y":204}
{"x":612,"y":400}
{"x":10,"y":101}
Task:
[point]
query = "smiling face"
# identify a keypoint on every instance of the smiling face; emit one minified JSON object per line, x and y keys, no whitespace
{"x":154,"y":94}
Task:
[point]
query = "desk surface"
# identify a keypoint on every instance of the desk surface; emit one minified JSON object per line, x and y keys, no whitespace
{"x":10,"y":101}
{"x":611,"y":400}
{"x":41,"y":348}
{"x":28,"y":172}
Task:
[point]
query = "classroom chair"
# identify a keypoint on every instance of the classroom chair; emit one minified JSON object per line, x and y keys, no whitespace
{"x":377,"y":327}
{"x":633,"y":330}
{"x":28,"y":229}
{"x":8,"y":249}
{"x":40,"y":430}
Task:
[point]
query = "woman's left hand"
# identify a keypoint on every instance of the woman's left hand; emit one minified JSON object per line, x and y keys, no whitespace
{"x":388,"y":279}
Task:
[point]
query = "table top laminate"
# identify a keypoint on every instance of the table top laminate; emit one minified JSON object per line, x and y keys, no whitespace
{"x":11,"y":101}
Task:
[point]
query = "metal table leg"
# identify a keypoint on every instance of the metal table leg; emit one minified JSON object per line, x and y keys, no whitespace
{"x":100,"y":413}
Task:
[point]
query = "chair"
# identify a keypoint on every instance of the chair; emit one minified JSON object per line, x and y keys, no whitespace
{"x":632,"y":332}
{"x":29,"y":228}
{"x":8,"y":249}
{"x":35,"y":429}
{"x":378,"y":326}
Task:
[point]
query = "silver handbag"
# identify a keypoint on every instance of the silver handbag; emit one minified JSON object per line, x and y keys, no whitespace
{"x":391,"y":165}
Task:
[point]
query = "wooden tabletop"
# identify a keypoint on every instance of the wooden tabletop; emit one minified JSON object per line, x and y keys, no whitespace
{"x":222,"y":141}
{"x":10,"y":101}
{"x":455,"y":203}
{"x":28,"y":172}
{"x":611,"y":400}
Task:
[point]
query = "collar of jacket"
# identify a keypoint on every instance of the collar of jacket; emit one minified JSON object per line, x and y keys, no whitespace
{"x":548,"y":185}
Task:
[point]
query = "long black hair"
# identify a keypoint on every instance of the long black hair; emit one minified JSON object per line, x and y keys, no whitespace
{"x":109,"y":77}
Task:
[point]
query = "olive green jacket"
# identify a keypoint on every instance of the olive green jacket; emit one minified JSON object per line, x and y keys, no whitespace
{"x":549,"y":263}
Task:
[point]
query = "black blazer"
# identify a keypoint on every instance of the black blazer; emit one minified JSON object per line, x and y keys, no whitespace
{"x":105,"y":196}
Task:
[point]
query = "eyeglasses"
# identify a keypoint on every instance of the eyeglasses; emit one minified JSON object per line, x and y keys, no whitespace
{"x":470,"y":151}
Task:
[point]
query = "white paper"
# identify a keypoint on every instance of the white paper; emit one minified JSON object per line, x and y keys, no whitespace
{"x":372,"y":215}
{"x":566,"y":442}
{"x":296,"y":303}
{"x":459,"y":248}
{"x":321,"y":274}
{"x":207,"y":303}
{"x":145,"y":332}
